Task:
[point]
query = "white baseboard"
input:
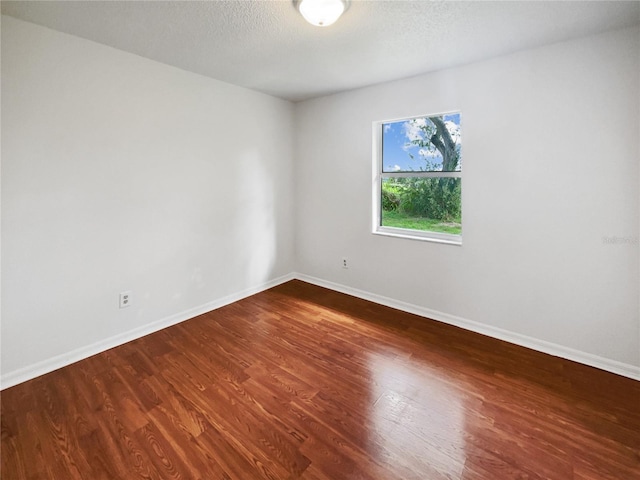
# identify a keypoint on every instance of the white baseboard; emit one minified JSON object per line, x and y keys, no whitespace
{"x":35,"y":370}
{"x":40,"y":368}
{"x":624,"y":369}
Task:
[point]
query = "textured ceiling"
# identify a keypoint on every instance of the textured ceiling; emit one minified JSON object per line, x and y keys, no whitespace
{"x":267,"y":46}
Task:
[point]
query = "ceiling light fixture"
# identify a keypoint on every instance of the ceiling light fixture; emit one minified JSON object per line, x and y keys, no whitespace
{"x":321,"y":13}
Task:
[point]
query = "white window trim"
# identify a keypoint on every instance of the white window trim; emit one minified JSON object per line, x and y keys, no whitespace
{"x":376,"y":200}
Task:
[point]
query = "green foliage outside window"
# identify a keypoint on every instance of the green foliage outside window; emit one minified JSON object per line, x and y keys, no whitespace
{"x":414,"y":200}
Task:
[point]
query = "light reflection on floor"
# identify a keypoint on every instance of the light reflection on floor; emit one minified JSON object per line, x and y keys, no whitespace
{"x":417,"y":418}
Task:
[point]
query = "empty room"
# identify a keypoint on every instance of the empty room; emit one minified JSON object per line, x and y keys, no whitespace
{"x":320,"y":239}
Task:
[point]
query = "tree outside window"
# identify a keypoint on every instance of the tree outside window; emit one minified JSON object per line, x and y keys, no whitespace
{"x":419,"y":177}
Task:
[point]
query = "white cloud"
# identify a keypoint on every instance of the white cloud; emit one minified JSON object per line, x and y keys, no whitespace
{"x":424,"y":152}
{"x":454,"y":130}
{"x":413,"y":128}
{"x":387,"y":127}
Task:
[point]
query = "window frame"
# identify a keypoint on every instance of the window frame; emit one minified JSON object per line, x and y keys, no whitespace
{"x":379,"y":175}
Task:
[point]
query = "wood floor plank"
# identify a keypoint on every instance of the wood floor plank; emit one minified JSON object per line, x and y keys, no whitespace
{"x":299,"y":382}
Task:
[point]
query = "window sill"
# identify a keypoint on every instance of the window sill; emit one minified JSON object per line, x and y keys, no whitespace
{"x":435,"y":237}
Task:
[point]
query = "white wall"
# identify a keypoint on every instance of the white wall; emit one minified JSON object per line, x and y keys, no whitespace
{"x":120,"y":173}
{"x":551,"y":155}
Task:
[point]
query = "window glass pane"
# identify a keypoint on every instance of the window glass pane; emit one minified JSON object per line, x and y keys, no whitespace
{"x":428,"y":204}
{"x":431,"y":144}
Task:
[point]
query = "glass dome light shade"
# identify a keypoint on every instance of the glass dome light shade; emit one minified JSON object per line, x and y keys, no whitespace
{"x":321,"y":13}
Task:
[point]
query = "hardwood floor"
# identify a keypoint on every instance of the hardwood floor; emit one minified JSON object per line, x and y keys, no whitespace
{"x":299,"y":382}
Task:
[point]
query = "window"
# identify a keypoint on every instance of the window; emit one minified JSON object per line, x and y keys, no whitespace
{"x":418,"y":178}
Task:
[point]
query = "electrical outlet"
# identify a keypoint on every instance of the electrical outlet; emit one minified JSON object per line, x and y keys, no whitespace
{"x":125,"y":299}
{"x":345,"y":264}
